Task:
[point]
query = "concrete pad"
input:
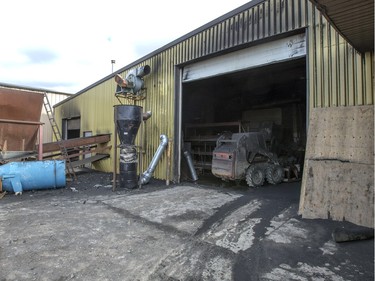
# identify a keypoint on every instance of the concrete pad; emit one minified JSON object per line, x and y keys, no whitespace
{"x":235,"y":232}
{"x":183,"y":207}
{"x":285,"y":228}
{"x":303,"y":272}
{"x":172,"y":233}
{"x":195,"y":261}
{"x":63,"y":240}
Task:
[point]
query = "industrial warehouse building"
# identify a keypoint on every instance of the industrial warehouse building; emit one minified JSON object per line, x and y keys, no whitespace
{"x":305,"y":67}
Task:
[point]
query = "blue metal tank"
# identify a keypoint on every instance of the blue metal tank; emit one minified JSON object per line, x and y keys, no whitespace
{"x":31,"y":175}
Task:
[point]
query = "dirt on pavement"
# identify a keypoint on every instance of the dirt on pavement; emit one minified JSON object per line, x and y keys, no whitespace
{"x":208,"y":230}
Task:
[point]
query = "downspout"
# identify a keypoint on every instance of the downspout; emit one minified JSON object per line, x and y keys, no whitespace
{"x":146,"y":176}
{"x":190,"y":163}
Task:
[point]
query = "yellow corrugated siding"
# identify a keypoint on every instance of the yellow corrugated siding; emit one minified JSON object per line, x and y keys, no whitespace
{"x":53,"y":99}
{"x":334,"y":72}
{"x":368,"y":70}
{"x":338,"y":74}
{"x":159,"y":101}
{"x":95,"y":107}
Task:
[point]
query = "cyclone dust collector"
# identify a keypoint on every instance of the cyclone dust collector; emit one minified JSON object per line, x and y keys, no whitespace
{"x":128,"y":119}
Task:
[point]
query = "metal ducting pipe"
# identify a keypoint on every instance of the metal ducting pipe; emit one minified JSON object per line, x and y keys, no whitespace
{"x":128,"y":119}
{"x":146,"y":176}
{"x":143,"y":70}
{"x":190,"y":163}
{"x":147,"y":115}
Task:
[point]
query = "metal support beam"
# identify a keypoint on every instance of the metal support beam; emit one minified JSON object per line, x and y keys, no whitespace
{"x":40,"y":149}
{"x":70,"y":143}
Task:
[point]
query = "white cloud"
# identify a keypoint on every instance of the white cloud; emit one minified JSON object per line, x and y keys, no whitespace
{"x":70,"y":44}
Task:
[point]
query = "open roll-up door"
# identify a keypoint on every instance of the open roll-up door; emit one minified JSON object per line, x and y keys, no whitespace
{"x":288,"y":48}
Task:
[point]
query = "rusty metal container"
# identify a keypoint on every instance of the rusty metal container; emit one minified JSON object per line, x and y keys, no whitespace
{"x":19,"y":120}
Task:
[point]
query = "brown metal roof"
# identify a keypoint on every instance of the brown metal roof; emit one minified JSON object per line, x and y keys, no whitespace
{"x":354,"y":19}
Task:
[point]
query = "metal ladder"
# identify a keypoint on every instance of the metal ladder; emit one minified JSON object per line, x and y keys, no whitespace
{"x":57,"y":134}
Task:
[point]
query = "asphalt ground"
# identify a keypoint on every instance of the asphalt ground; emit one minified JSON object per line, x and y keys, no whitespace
{"x":209,"y":230}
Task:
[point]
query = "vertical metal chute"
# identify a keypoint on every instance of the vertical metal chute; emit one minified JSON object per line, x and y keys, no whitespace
{"x":128,"y":119}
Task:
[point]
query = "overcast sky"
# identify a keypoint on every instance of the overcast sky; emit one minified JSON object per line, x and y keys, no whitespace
{"x":68,"y":45}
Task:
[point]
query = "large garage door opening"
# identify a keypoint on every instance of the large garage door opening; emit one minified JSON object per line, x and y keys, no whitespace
{"x":265,"y":106}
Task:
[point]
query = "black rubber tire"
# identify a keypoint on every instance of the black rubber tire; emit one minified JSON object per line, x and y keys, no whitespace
{"x":255,"y":175}
{"x":274,"y":174}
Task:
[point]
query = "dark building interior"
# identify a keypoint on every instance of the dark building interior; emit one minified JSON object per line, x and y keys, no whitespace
{"x":270,"y":98}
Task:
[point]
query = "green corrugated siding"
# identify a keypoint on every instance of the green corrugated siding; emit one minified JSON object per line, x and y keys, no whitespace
{"x":337,"y":74}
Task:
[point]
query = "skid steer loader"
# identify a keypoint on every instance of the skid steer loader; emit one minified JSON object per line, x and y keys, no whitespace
{"x":242,"y":156}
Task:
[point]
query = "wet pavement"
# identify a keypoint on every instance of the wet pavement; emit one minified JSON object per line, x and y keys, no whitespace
{"x":208,"y":230}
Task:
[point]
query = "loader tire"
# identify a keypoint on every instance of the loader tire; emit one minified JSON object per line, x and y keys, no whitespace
{"x":274,"y":174}
{"x":255,"y":175}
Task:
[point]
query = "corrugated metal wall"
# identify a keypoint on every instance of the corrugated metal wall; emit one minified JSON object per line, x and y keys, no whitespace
{"x":350,"y":82}
{"x":266,"y":19}
{"x":53,"y":98}
{"x":338,"y":74}
{"x":95,"y":107}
